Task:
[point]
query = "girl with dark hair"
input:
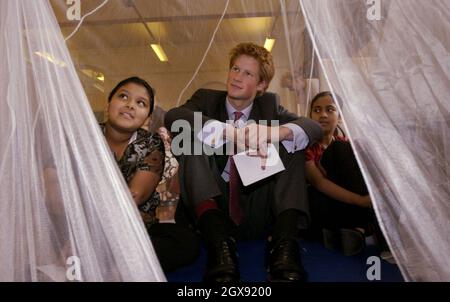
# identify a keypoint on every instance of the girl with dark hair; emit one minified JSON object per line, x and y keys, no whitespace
{"x":141,"y":156}
{"x":340,"y":204}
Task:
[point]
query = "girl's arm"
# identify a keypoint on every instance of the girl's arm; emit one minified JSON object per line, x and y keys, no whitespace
{"x":142,"y":185}
{"x":144,"y":182}
{"x":329,"y":188}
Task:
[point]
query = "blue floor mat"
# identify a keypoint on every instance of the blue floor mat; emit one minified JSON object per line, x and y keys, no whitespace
{"x":322,"y":265}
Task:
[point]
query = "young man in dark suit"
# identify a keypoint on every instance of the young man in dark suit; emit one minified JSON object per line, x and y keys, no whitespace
{"x":211,"y":188}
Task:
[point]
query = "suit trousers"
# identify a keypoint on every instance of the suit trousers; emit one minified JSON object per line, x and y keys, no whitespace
{"x":261,"y":202}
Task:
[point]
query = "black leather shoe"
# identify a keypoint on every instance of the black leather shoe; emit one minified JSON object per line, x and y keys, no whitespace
{"x":349,"y":241}
{"x":222,"y":262}
{"x":284,"y":264}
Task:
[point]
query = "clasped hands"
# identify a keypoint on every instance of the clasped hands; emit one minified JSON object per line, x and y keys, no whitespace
{"x":254,"y":138}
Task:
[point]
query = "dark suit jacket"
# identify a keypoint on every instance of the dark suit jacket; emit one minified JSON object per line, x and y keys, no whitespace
{"x":200,"y":175}
{"x":211,"y":103}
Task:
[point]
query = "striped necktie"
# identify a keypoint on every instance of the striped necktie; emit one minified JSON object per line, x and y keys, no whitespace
{"x":236,"y":212}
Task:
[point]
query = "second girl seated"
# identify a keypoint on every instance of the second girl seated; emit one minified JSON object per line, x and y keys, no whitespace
{"x":341,"y":207}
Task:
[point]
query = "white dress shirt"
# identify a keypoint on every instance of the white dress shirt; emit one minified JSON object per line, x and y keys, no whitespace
{"x":299,"y":142}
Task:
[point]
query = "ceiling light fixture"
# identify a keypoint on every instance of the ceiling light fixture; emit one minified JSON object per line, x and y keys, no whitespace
{"x":159,"y":51}
{"x":268,"y":44}
{"x":100,"y":76}
{"x":93,"y":74}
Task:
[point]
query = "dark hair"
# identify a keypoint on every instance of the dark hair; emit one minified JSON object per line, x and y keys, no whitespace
{"x":138,"y":81}
{"x":335,"y":98}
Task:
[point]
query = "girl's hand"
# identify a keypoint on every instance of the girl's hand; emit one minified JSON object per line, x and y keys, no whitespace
{"x":365,"y":201}
{"x":164,"y":134}
{"x":166,"y":212}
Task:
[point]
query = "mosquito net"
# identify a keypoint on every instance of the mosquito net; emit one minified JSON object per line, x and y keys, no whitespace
{"x":63,"y":196}
{"x":66,"y":212}
{"x":392,"y":69}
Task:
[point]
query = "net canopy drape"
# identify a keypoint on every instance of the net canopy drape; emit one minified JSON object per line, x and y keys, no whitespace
{"x":66,"y":213}
{"x":392,"y":69}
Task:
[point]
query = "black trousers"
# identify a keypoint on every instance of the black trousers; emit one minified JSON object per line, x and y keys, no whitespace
{"x":175,"y":244}
{"x":200,"y":179}
{"x":341,"y":166}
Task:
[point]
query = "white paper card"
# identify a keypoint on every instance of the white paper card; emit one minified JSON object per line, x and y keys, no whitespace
{"x":249,"y":167}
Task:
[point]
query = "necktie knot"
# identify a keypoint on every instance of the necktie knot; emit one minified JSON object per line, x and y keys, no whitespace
{"x":237,"y":115}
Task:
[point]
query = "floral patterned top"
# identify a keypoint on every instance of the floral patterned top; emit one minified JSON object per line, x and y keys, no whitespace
{"x":144,"y":152}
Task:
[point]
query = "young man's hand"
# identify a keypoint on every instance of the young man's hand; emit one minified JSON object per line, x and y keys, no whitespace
{"x":254,"y":138}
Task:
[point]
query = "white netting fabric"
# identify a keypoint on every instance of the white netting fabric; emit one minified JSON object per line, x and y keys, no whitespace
{"x":65,"y":209}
